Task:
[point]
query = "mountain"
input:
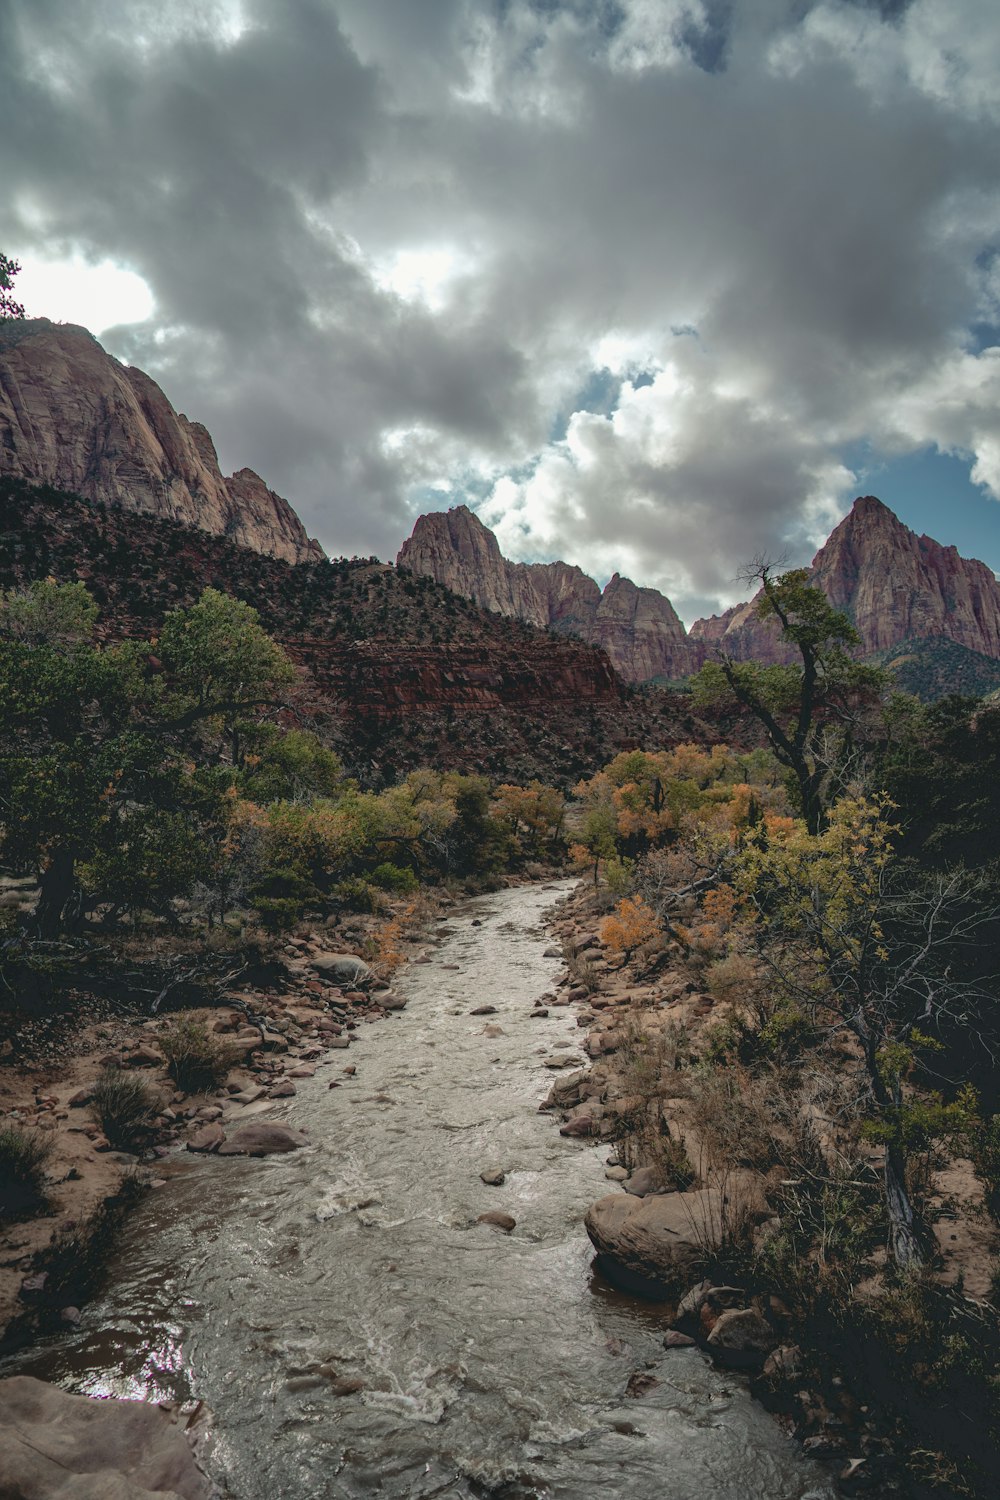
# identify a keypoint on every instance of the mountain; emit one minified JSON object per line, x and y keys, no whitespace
{"x":74,"y":417}
{"x":896,"y":587}
{"x":911,"y":600}
{"x":637,"y":627}
{"x":395,"y":671}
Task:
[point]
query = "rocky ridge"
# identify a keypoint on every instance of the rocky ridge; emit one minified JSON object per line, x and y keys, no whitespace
{"x":74,"y":417}
{"x":637,"y":627}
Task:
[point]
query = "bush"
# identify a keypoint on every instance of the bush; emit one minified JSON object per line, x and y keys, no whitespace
{"x":76,"y":1263}
{"x":986,"y":1160}
{"x":280,"y":897}
{"x":123,"y":1107}
{"x":584,"y":973}
{"x":357,"y":894}
{"x":196,"y":1060}
{"x":23,"y":1158}
{"x":394,"y":878}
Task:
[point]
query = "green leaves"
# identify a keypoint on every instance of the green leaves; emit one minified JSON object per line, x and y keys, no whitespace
{"x":217,"y":651}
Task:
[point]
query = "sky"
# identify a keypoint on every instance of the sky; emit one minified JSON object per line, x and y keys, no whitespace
{"x":654,"y":286}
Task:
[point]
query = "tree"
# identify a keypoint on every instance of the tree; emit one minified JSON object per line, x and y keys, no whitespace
{"x":222,"y":664}
{"x":8,"y":270}
{"x":866,"y":951}
{"x":533,"y":816}
{"x":808,"y":709}
{"x":99,"y":748}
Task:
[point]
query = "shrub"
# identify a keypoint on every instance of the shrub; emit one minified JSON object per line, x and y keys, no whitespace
{"x":584,"y":973}
{"x":196,"y":1060}
{"x":389,"y":877}
{"x":280,"y":897}
{"x":357,"y":894}
{"x":730,"y":978}
{"x":123,"y":1107}
{"x":23,"y":1158}
{"x":76,"y":1263}
{"x":634,"y":924}
{"x":986,"y":1160}
{"x":668,"y":1154}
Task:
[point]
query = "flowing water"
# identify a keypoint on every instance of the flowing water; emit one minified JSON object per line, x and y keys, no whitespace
{"x":493,"y":1364}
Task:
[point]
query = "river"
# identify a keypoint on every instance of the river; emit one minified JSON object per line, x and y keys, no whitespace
{"x":492,"y":1364}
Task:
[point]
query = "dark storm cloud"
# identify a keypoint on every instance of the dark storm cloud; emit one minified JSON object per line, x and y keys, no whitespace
{"x":808,"y":187}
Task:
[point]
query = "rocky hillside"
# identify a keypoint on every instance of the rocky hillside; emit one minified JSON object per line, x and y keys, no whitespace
{"x":637,"y":627}
{"x":396,"y":670}
{"x":73,"y":417}
{"x":896,"y":587}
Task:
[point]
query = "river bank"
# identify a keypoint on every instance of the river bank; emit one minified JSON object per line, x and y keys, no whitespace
{"x":695,"y":1211}
{"x":271,"y":1036}
{"x":352,"y":1324}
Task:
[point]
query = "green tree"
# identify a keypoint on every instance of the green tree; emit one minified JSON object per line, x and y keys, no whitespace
{"x":8,"y":270}
{"x":99,"y":748}
{"x":222,"y":664}
{"x":809,"y":708}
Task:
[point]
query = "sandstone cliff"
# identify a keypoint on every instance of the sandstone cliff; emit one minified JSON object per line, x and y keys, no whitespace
{"x":637,"y":627}
{"x":895,"y":586}
{"x":73,"y":417}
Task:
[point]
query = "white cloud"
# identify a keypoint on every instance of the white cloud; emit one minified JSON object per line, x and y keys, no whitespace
{"x":640,"y":273}
{"x":75,"y":291}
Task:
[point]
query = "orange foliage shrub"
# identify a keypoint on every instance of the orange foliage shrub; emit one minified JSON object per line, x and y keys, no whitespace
{"x":632,"y":925}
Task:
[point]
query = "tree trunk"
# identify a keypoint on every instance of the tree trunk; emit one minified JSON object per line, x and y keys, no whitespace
{"x":904,"y":1243}
{"x":58,"y":883}
{"x":906,"y":1248}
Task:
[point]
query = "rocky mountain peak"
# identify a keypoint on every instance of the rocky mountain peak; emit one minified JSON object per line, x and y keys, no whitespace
{"x":638,"y":627}
{"x":895,"y":585}
{"x":74,"y":417}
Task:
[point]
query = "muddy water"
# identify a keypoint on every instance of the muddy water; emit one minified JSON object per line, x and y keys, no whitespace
{"x":492,"y":1363}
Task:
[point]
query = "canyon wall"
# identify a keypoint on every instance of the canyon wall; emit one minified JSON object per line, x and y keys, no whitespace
{"x":73,"y":417}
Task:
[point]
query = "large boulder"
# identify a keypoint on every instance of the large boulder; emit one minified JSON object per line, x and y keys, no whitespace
{"x":342,"y":968}
{"x":262,"y":1138}
{"x":54,"y":1446}
{"x":651,"y":1245}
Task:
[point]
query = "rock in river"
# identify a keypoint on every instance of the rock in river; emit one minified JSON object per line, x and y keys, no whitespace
{"x":648,"y":1244}
{"x":262,"y":1138}
{"x":742,"y":1337}
{"x":500,"y":1220}
{"x":54,"y":1446}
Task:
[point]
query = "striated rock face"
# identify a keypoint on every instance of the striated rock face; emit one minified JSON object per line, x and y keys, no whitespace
{"x":637,"y":627}
{"x":895,"y":586}
{"x":73,"y":417}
